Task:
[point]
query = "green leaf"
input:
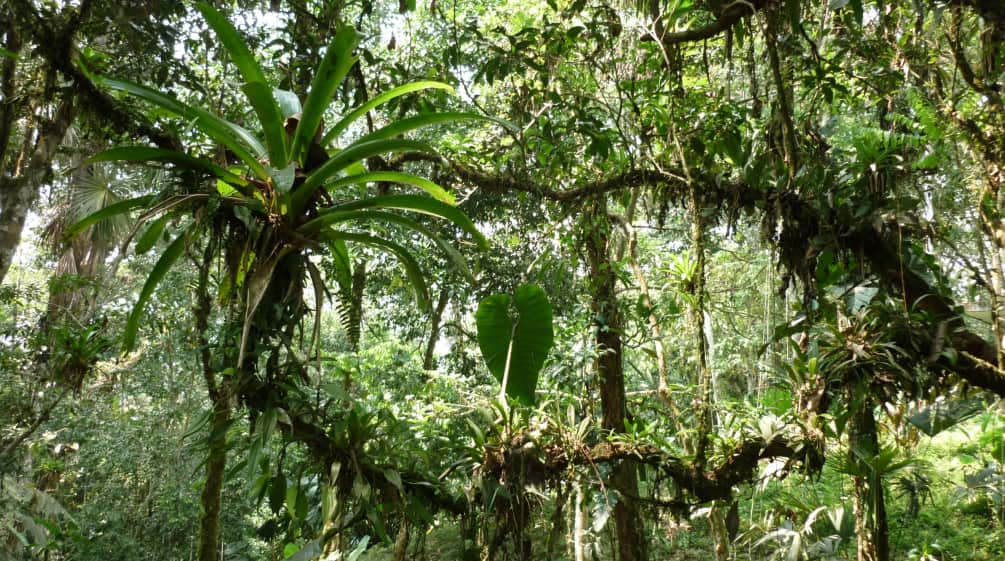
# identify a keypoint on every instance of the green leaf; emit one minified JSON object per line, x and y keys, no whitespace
{"x":238,"y":139}
{"x":340,"y":261}
{"x":352,"y":154}
{"x":9,"y":54}
{"x":413,"y":203}
{"x":151,"y":154}
{"x":334,"y":66}
{"x":107,"y":212}
{"x":163,"y":265}
{"x":289,"y":103}
{"x":277,"y":492}
{"x":269,"y":115}
{"x":515,"y":347}
{"x":150,"y":237}
{"x":401,"y":126}
{"x":358,"y":112}
{"x":233,"y":43}
{"x":437,"y":192}
{"x":412,"y":269}
{"x":365,"y":216}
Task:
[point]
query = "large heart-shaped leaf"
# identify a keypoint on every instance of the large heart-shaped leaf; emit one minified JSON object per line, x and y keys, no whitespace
{"x":515,"y":335}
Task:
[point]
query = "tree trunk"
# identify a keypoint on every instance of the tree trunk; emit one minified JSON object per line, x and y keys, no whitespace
{"x":871,"y":528}
{"x":212,"y":493}
{"x":631,"y":543}
{"x":19,"y":193}
{"x":219,"y":395}
{"x":434,"y":329}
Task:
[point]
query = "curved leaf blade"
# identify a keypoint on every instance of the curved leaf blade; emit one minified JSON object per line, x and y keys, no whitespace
{"x":401,"y":126}
{"x":381,"y":99}
{"x":515,"y":348}
{"x":107,"y":212}
{"x":434,"y":190}
{"x":412,"y":269}
{"x":152,"y":234}
{"x":161,"y":268}
{"x":151,"y":154}
{"x":269,"y":116}
{"x":352,"y":154}
{"x":238,"y":139}
{"x":376,"y":215}
{"x":233,"y":43}
{"x":334,"y":66}
{"x":414,"y":203}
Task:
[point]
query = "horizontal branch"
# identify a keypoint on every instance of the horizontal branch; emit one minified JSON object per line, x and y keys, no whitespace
{"x":731,"y":14}
{"x":705,"y":485}
{"x":56,"y":49}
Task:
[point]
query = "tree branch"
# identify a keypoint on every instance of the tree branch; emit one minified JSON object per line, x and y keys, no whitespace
{"x":732,"y":13}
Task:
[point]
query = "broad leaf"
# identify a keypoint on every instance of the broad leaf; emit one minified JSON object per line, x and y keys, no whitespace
{"x":515,"y":335}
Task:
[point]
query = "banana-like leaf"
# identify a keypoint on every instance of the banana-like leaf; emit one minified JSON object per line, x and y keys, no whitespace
{"x":238,"y":139}
{"x":163,"y":265}
{"x":365,"y":216}
{"x":341,"y":160}
{"x":437,"y":192}
{"x":358,"y":112}
{"x":334,"y":66}
{"x":151,"y":154}
{"x":412,"y":269}
{"x":260,"y":96}
{"x":415,"y":203}
{"x":515,"y":348}
{"x":107,"y":212}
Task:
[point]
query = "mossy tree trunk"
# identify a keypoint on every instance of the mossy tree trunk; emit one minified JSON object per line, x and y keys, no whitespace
{"x":631,"y":542}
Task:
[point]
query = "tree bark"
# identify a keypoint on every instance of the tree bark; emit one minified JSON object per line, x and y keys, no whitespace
{"x":219,"y":395}
{"x":871,"y":527}
{"x":631,"y":543}
{"x":18,"y":194}
{"x":428,"y":362}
